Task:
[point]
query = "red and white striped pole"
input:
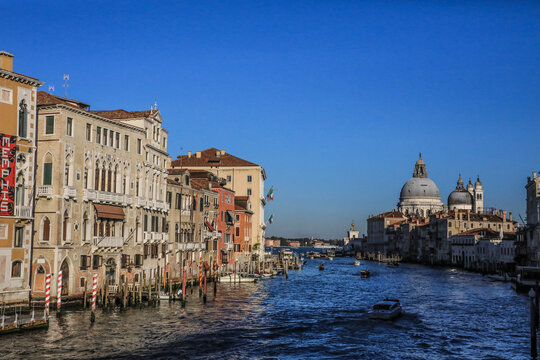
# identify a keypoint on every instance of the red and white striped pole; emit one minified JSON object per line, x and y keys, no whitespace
{"x":94,"y":293}
{"x":59,"y":292}
{"x":47,"y":293}
{"x":183,"y":287}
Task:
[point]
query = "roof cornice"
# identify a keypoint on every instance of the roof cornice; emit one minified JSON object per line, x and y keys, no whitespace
{"x":20,"y":78}
{"x":85,"y":113}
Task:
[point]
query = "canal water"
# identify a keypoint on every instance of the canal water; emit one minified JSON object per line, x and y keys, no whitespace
{"x":449,"y":314}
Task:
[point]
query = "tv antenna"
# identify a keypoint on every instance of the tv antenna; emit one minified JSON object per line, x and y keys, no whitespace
{"x":66,"y":79}
{"x":51,"y":89}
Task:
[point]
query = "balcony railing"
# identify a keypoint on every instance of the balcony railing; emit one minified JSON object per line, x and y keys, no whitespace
{"x":70,"y":192}
{"x":147,"y":236}
{"x":24,"y":212}
{"x":230,"y":246}
{"x":108,"y":241}
{"x":165,"y":236}
{"x":141,"y":201}
{"x":105,"y":197}
{"x":44,"y":190}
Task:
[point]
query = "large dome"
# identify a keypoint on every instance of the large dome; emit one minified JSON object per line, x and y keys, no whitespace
{"x":419,"y":188}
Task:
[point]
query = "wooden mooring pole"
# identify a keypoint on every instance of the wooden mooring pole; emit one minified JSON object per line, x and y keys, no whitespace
{"x":534,"y":352}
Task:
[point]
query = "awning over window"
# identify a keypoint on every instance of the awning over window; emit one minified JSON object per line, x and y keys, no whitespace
{"x":109,"y":212}
{"x":209,"y":226}
{"x":229,"y":217}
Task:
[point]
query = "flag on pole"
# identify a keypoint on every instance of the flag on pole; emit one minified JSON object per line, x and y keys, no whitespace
{"x":271,"y":219}
{"x":270,"y":195}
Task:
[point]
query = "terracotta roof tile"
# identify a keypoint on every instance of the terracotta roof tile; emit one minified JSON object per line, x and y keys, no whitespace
{"x":44,"y":98}
{"x":123,"y":114}
{"x":211,"y":157}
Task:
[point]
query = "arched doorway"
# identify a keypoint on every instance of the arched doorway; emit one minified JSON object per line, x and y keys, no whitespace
{"x":65,"y":278}
{"x":111,"y":270}
{"x":39,"y":282}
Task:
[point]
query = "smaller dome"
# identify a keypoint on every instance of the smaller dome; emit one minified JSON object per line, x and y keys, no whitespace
{"x":459,"y":197}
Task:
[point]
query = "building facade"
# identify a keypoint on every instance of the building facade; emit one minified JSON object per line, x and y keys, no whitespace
{"x":100,"y":195}
{"x":243,"y":177}
{"x":18,"y":126}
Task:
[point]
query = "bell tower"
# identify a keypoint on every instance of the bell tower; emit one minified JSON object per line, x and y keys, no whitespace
{"x":478,"y":203}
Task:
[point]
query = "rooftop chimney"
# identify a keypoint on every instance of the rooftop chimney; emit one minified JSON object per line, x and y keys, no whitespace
{"x":189,"y":154}
{"x":504,"y":215}
{"x":534,"y":172}
{"x":6,"y":61}
{"x":223,"y":152}
{"x":510,"y":216}
{"x":198,"y":154}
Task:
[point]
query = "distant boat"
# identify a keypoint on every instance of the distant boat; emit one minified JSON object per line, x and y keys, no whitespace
{"x":321,"y":266}
{"x":365,"y":273}
{"x":386,"y":310}
{"x":330,"y":258}
{"x":356,"y":262}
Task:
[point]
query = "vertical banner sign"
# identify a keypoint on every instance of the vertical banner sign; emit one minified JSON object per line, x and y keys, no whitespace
{"x":59,"y":292}
{"x":47,"y":292}
{"x":7,"y":169}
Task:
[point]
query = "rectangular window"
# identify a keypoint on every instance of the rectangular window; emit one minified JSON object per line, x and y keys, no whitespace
{"x":117,"y":144}
{"x":145,"y":222}
{"x":249,"y":178}
{"x":237,"y":231}
{"x":105,"y":132}
{"x":69,"y":126}
{"x":47,"y":174}
{"x":249,"y":192}
{"x":111,"y":138}
{"x":6,"y":96}
{"x":178,"y":199}
{"x":139,"y":146}
{"x":88,"y":132}
{"x":229,"y":178}
{"x":98,"y":135}
{"x":49,"y":125}
{"x":169,"y":197}
{"x":126,"y":142}
{"x":19,"y":232}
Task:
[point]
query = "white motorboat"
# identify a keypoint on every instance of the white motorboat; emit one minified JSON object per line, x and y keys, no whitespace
{"x":242,"y":279}
{"x":331,"y":258}
{"x":356,"y":262}
{"x":386,"y":310}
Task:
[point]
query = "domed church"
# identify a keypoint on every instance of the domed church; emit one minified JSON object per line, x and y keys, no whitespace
{"x":471,"y":198}
{"x":420,"y":195}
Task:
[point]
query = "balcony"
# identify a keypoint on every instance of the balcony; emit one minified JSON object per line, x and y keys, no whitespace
{"x":141,"y":201}
{"x":165,"y":236}
{"x":105,"y":197}
{"x":147,"y":236}
{"x":70,"y":192}
{"x":229,"y":247}
{"x":186,"y":212}
{"x":108,"y":241}
{"x":23,"y":212}
{"x":44,"y":190}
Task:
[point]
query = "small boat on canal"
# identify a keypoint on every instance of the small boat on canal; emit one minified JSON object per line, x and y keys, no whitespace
{"x":321,"y":266}
{"x":365,"y":273}
{"x":356,"y":262}
{"x":386,"y":310}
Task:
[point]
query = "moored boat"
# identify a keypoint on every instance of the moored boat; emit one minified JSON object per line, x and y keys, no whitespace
{"x":386,"y":310}
{"x":321,"y":266}
{"x":356,"y":262}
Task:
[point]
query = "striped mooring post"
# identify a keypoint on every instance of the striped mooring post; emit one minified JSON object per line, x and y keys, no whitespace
{"x":200,"y":277}
{"x":94,"y":293}
{"x":183,"y":288}
{"x":215,"y":277}
{"x":59,"y":292}
{"x":47,"y":293}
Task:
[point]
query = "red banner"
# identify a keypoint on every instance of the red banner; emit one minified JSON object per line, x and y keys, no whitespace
{"x":7,"y":169}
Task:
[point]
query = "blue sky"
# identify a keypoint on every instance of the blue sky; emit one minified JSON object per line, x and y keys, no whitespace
{"x":334,"y":99}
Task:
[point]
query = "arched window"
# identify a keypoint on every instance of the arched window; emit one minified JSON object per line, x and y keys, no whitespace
{"x":109,"y":180}
{"x":85,"y":228}
{"x":115,"y":175}
{"x":47,"y":170}
{"x":67,"y":170}
{"x":65,"y":227}
{"x":23,"y":118}
{"x":45,"y":229}
{"x":19,"y":193}
{"x":16,"y":269}
{"x":96,"y":177}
